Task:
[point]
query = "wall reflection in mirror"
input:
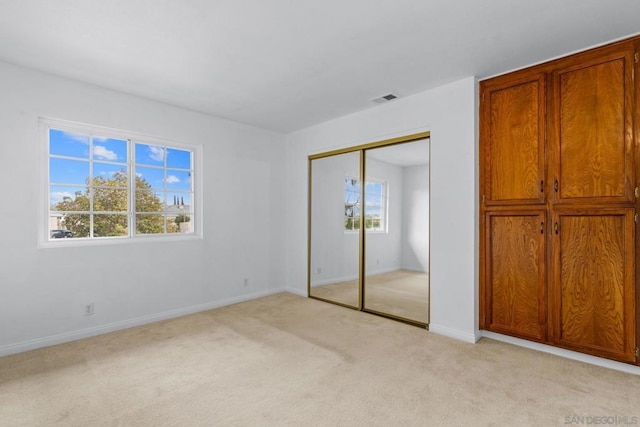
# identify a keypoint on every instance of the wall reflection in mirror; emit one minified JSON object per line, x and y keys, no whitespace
{"x":379,"y":229}
{"x":396,"y":212}
{"x":334,"y":265}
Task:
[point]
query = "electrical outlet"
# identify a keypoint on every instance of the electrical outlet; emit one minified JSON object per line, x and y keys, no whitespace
{"x":88,"y":309}
{"x":319,"y":269}
{"x":246,"y":282}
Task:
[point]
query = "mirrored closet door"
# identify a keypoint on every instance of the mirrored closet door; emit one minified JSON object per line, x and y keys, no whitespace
{"x":396,"y":212}
{"x":369,"y":228}
{"x":335,"y":243}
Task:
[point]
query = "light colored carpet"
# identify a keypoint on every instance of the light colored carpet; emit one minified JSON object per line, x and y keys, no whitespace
{"x":342,"y":292}
{"x":287,"y":360}
{"x":400,"y":293}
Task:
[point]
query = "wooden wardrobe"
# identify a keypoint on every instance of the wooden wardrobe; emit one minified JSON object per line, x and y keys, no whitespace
{"x":559,"y":202}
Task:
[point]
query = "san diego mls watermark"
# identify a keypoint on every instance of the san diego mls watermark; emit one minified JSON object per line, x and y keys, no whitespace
{"x":611,"y":420}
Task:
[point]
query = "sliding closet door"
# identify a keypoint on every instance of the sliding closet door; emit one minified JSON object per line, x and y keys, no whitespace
{"x":334,"y":249}
{"x":396,"y":227}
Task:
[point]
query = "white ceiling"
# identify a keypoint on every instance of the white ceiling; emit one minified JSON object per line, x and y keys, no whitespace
{"x":289,"y":64}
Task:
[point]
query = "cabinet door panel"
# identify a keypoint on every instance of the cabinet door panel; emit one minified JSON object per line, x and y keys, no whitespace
{"x":593,"y":128}
{"x":594,"y":282}
{"x":515,"y":273}
{"x":514,"y":143}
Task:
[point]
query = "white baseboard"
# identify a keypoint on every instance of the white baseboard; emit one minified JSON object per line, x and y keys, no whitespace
{"x":138,"y":321}
{"x":454,"y":333}
{"x":299,"y":292}
{"x":586,"y":358}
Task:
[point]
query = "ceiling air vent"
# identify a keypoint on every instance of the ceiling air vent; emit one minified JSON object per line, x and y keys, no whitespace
{"x":384,"y":98}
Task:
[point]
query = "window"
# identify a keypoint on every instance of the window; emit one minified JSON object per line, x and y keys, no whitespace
{"x":375,"y":205}
{"x":106,"y":184}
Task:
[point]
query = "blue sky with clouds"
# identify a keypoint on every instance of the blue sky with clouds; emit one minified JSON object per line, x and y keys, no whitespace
{"x":68,"y":175}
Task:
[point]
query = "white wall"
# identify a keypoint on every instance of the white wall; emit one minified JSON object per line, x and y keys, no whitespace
{"x":415,"y":218}
{"x":42,"y":290}
{"x":449,"y":113}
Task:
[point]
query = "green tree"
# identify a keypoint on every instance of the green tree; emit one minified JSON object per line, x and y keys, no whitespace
{"x":182,"y":218}
{"x":110,"y":195}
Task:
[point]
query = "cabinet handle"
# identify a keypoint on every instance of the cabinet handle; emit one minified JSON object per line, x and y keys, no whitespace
{"x":555,"y":227}
{"x":555,"y":185}
{"x":542,"y":228}
{"x":542,"y":186}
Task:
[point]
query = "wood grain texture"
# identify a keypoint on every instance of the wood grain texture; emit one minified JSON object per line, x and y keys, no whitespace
{"x":586,"y":105}
{"x":592,"y":131}
{"x":514,"y":141}
{"x":595,"y":275}
{"x":516,"y":274}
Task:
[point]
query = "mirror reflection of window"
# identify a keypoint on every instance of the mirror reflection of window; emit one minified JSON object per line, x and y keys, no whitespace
{"x":351,"y":204}
{"x":375,"y":196}
{"x":376,"y":207}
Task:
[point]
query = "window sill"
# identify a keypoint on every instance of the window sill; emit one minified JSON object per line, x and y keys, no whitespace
{"x":65,"y":243}
{"x":356,"y":232}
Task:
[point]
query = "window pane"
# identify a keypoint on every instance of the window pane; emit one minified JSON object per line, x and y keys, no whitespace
{"x":180,"y":159}
{"x":62,"y":198}
{"x":149,"y":178}
{"x":109,"y":199}
{"x":111,"y":175}
{"x":78,"y":224}
{"x":70,"y":144}
{"x":351,"y":204}
{"x":179,"y":223}
{"x":149,"y":201}
{"x":180,"y":200}
{"x":178,"y":180}
{"x":57,"y":229}
{"x":110,"y":225}
{"x":352,"y":185}
{"x":352,"y":223}
{"x":149,"y":155}
{"x":374,"y":206}
{"x":374,"y":188}
{"x":109,"y":149}
{"x":64,"y":171}
{"x":149,"y":224}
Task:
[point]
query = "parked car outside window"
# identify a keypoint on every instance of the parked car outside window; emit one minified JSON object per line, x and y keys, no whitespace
{"x":61,"y":234}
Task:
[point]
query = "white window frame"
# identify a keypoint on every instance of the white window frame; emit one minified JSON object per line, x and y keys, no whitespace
{"x":384,"y":203}
{"x":196,"y":223}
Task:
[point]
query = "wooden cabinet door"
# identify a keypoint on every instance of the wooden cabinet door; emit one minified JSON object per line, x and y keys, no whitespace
{"x":512,"y":139}
{"x":591,"y":127}
{"x":515,"y":270}
{"x":594,"y":281}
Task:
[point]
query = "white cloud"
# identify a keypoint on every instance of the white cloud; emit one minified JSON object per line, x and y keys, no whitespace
{"x":156,"y":153}
{"x":76,"y":137}
{"x":102,"y":153}
{"x":57,"y":196}
{"x":172,"y":179}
